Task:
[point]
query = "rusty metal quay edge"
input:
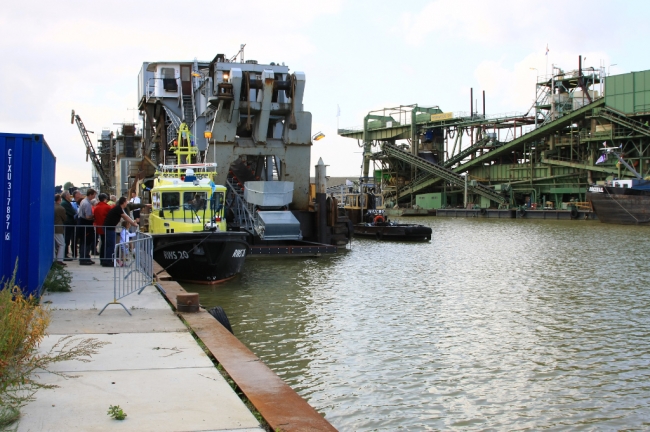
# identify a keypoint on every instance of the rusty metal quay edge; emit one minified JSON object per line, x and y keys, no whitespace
{"x":281,"y":407}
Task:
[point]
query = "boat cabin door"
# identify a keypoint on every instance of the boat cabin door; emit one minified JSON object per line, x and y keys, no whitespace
{"x":186,"y":79}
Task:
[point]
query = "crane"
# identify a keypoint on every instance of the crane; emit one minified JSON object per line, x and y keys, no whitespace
{"x":90,"y":150}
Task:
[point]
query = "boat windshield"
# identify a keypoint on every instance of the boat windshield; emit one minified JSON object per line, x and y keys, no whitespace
{"x":216,"y":203}
{"x":171,"y":199}
{"x":194,"y":200}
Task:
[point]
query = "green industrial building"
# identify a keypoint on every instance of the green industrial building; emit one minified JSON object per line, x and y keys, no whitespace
{"x":544,"y":158}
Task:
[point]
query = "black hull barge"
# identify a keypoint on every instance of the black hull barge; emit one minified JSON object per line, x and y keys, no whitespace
{"x":201,"y":257}
{"x":393,"y":231}
{"x":618,"y":205}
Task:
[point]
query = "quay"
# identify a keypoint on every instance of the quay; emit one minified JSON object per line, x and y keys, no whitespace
{"x":153,"y":368}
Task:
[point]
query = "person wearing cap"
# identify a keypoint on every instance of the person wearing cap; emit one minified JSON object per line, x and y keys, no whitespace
{"x":101,"y":210}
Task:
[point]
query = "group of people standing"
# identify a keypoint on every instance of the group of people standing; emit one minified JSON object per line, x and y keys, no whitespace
{"x":90,"y":223}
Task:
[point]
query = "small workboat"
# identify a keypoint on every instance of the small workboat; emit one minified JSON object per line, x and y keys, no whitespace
{"x":366,"y":212}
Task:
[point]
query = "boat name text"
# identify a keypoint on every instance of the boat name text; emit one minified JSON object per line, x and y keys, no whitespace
{"x":239,"y":253}
{"x":598,"y":189}
{"x":176,"y":255}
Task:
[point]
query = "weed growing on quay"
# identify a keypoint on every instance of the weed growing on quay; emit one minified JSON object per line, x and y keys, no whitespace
{"x":23,"y":324}
{"x":58,"y":279}
{"x":116,"y":412}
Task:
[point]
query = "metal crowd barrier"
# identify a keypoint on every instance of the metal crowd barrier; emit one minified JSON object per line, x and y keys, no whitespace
{"x":132,"y":267}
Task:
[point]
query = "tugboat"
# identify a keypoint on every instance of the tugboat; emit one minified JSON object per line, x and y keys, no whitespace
{"x":190,"y":237}
{"x":624,"y":202}
{"x":367,"y":213}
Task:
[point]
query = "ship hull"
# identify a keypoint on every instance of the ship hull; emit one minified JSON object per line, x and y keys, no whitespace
{"x":201,"y":257}
{"x":393,"y":231}
{"x":624,"y":206}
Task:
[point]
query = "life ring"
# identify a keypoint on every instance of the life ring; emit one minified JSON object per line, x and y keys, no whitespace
{"x":378,"y":219}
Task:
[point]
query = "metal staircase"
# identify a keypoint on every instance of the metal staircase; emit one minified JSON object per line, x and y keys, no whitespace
{"x":624,"y":120}
{"x":90,"y":151}
{"x":441,"y":172}
{"x":242,"y":211}
{"x":188,"y":110}
{"x":173,"y":123}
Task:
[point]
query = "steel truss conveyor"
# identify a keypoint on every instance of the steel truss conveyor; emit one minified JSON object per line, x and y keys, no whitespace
{"x":443,"y":173}
{"x":534,"y":135}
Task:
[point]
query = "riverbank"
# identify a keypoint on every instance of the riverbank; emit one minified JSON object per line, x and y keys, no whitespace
{"x":153,"y":368}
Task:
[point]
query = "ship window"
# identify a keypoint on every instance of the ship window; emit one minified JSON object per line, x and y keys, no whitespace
{"x":217,"y":201}
{"x":195,"y":200}
{"x":171,"y":200}
{"x":155,"y":200}
{"x":169,"y":79}
{"x":185,"y":74}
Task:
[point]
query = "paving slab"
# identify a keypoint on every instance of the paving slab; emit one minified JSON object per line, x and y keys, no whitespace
{"x":95,"y":295}
{"x":137,"y":351}
{"x":114,"y":320}
{"x":153,"y":368}
{"x":154,"y":400}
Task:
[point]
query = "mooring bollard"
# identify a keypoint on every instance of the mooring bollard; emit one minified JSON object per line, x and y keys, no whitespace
{"x":188,"y":302}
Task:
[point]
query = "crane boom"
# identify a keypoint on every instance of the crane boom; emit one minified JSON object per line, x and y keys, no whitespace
{"x":90,"y":150}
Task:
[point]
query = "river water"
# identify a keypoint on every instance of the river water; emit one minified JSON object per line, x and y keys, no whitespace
{"x":494,"y":324}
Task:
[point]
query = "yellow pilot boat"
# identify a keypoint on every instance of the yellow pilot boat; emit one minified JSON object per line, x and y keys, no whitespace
{"x":187,"y":223}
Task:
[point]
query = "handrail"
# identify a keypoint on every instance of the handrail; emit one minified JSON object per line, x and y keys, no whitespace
{"x":249,"y":219}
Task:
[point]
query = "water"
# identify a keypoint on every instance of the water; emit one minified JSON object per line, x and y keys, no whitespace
{"x":493,"y":324}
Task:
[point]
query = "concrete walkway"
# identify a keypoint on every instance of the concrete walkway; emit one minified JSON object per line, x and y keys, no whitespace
{"x":153,"y":368}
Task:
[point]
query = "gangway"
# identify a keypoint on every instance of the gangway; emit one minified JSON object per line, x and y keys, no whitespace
{"x":441,"y":172}
{"x":483,"y":142}
{"x":620,"y":118}
{"x":90,"y":151}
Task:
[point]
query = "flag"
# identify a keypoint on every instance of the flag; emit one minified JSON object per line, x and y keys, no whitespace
{"x":546,"y":49}
{"x":602,"y":158}
{"x":338,"y":110}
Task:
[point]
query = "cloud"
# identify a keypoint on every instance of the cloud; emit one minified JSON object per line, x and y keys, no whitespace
{"x":514,"y":85}
{"x":86,"y":55}
{"x":474,"y":20}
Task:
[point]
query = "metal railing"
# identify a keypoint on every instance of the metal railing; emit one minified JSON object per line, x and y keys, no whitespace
{"x":245,"y":215}
{"x":84,"y":242}
{"x":129,"y":253}
{"x":133,"y":267}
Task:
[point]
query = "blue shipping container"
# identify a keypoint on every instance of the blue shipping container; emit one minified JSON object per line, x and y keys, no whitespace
{"x":27,"y":167}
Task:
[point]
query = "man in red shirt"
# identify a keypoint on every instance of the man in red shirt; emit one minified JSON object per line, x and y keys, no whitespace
{"x":100,"y":211}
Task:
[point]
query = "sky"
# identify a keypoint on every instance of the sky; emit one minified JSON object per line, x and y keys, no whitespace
{"x":357,"y":55}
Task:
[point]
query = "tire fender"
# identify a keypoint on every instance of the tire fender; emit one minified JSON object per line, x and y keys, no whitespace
{"x":220,"y":315}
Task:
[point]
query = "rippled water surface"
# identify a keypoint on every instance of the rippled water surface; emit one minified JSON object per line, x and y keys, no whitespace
{"x":493,"y":324}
